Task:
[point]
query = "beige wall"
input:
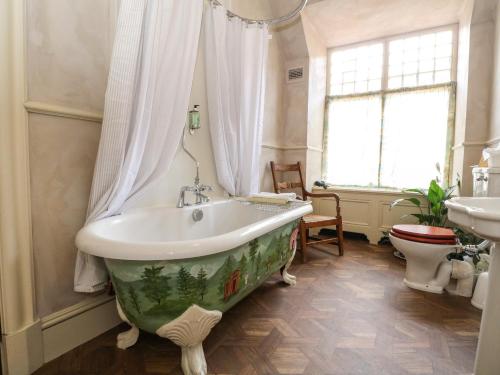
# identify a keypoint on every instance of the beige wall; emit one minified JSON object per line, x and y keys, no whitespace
{"x":69,"y":45}
{"x":344,"y":22}
{"x":474,"y":77}
{"x":317,"y":52}
{"x":68,"y":48}
{"x":304,"y":99}
{"x":494,"y":133}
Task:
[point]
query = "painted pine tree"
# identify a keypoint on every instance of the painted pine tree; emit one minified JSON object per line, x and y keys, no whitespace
{"x":254,"y":246}
{"x":284,"y":242}
{"x":201,"y":283}
{"x":156,"y":286}
{"x":120,"y":291}
{"x":244,"y":267}
{"x":134,"y":298}
{"x":186,"y":285}
{"x":258,"y":266}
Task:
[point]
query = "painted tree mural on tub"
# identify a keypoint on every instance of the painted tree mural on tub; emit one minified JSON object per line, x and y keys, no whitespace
{"x":156,"y":286}
{"x":186,"y":285}
{"x":254,"y":246}
{"x":152,"y":293}
{"x":202,"y":283}
{"x":134,"y":298}
{"x":244,"y":269}
{"x":226,"y":270}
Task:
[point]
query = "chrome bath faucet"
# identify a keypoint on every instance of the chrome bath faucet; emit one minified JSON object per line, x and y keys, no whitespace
{"x":198,"y":191}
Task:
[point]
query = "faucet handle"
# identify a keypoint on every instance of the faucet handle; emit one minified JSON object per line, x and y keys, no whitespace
{"x":206,"y":188}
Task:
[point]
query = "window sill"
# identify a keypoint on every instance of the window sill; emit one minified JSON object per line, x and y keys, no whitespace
{"x":362,"y":190}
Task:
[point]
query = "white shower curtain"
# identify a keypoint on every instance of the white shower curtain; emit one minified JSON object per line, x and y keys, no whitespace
{"x":147,"y":99}
{"x":236,"y":58}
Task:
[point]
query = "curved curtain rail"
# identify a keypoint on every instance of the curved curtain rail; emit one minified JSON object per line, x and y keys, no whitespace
{"x":272,"y":21}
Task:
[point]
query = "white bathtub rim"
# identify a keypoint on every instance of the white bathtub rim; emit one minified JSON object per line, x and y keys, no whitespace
{"x":92,"y":244}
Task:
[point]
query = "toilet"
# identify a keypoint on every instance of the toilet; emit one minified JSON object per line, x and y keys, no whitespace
{"x":425,"y":248}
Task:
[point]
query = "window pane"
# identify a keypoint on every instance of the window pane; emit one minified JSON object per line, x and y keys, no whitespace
{"x":442,"y":76}
{"x":444,"y":37}
{"x":420,"y":55}
{"x":443,"y":63}
{"x":354,"y":141}
{"x":374,"y":85}
{"x":426,"y":65}
{"x":361,"y":86}
{"x":410,"y":80}
{"x":415,"y":133}
{"x":352,"y":69}
{"x":425,"y":79}
{"x":394,"y":82}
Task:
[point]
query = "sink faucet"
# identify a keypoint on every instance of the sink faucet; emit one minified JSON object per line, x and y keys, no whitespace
{"x":198,"y":189}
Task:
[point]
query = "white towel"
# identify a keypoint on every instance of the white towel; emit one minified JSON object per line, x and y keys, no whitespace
{"x":289,"y":196}
{"x":273,"y":198}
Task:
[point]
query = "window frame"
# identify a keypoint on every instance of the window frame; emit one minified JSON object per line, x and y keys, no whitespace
{"x":385,"y":65}
{"x":384,"y":91}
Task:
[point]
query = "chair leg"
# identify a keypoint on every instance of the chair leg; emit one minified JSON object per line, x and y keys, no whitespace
{"x":340,"y":236}
{"x":303,"y":242}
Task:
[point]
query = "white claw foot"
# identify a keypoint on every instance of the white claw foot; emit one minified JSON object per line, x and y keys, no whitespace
{"x":287,"y":278}
{"x":188,"y":331}
{"x":128,"y":338}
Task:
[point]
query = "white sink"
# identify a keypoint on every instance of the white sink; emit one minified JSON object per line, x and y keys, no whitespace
{"x":482,"y":216}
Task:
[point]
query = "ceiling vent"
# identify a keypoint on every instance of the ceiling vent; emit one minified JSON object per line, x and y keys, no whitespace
{"x":295,"y":74}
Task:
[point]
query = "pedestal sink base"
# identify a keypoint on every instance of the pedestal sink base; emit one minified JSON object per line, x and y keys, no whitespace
{"x":482,"y":216}
{"x":488,"y":353}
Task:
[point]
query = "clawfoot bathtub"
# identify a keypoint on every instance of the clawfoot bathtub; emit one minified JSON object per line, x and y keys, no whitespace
{"x":175,"y":277}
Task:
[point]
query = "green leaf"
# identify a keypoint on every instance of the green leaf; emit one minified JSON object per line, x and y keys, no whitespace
{"x":449,"y":192}
{"x":396,"y":202}
{"x":436,"y":208}
{"x":436,"y":193}
{"x":418,"y":191}
{"x":415,"y":201}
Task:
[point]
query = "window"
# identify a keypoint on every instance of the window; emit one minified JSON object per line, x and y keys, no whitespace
{"x":390,"y":111}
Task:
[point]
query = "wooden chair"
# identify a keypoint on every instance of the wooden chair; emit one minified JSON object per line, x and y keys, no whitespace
{"x":311,"y":220}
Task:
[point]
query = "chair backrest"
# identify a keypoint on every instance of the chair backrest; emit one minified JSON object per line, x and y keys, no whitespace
{"x":279,"y":186}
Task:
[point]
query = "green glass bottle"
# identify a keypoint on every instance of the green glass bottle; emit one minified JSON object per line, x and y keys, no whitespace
{"x":194,"y":119}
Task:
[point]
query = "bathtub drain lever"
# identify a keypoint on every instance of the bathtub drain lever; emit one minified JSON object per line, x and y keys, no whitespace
{"x":197,"y":215}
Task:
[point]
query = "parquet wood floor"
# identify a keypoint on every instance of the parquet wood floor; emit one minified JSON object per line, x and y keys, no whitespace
{"x":347,"y":315}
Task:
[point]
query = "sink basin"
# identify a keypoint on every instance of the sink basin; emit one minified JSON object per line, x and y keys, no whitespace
{"x":480,"y":215}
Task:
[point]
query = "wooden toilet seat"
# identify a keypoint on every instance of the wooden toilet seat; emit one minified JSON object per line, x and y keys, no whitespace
{"x":424,"y":234}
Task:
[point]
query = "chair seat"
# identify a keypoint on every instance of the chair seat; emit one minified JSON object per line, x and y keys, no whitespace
{"x":312,"y":218}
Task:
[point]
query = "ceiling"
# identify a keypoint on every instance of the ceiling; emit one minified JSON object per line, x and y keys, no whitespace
{"x":341,"y":22}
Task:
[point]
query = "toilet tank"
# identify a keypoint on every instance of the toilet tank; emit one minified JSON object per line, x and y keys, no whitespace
{"x":486,"y":182}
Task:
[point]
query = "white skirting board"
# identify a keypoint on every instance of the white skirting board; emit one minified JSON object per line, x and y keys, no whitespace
{"x":22,"y":351}
{"x":69,"y":328}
